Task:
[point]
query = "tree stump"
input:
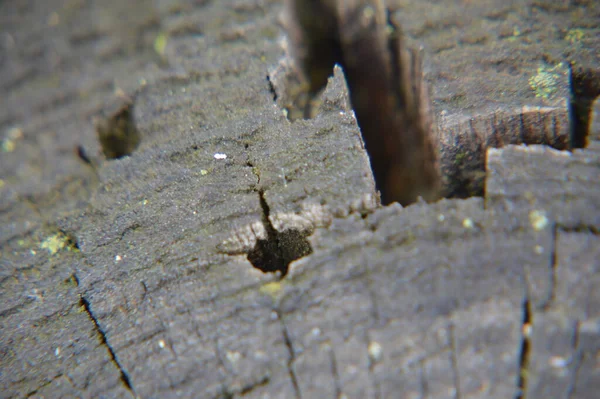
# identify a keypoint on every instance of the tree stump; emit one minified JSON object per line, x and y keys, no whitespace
{"x":233,"y":253}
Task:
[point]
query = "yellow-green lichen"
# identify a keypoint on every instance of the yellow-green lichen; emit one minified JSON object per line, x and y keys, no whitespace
{"x":516,"y":31}
{"x":269,"y":32}
{"x":574,"y":36}
{"x":460,"y":158}
{"x":515,"y":34}
{"x":53,"y":19}
{"x":545,"y":82}
{"x":56,"y":242}
{"x":160,"y":43}
{"x":271,"y":289}
{"x":8,"y":145}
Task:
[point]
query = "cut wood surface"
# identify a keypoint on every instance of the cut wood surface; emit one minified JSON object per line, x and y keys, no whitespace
{"x":142,"y":276}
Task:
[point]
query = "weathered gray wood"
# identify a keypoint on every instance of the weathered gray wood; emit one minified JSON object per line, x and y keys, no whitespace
{"x":595,"y":123}
{"x":565,"y":335}
{"x":557,"y":193}
{"x":490,"y":59}
{"x":131,"y":277}
{"x":519,"y":179}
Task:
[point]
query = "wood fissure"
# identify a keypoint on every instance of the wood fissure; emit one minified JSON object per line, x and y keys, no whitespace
{"x":104,"y":341}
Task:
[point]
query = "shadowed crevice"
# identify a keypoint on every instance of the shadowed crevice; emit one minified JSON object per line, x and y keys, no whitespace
{"x":585,"y":87}
{"x":525,"y":351}
{"x":545,"y":305}
{"x":335,"y":373}
{"x":104,"y":341}
{"x":279,"y":249}
{"x":385,"y":81}
{"x":117,"y":133}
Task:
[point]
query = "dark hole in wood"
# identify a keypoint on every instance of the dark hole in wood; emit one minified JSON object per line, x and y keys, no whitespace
{"x":117,"y":133}
{"x":585,"y":88}
{"x":276,"y":253}
{"x":279,"y":249}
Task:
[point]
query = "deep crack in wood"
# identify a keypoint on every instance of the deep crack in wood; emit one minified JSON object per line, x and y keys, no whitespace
{"x":387,"y":89}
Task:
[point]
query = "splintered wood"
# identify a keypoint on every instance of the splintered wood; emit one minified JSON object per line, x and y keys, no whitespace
{"x":386,"y":89}
{"x":410,"y":156}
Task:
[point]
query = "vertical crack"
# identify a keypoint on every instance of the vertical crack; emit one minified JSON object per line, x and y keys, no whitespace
{"x":267,"y":255}
{"x":388,"y":93}
{"x":373,"y":296}
{"x":552,"y":269}
{"x":576,"y":361}
{"x":334,"y":372}
{"x":292,"y":356}
{"x":423,"y":381}
{"x":274,"y":250}
{"x":524,"y":357}
{"x":104,"y":341}
{"x":226,"y":392}
{"x":375,"y":314}
{"x":454,"y":361}
{"x":272,"y":88}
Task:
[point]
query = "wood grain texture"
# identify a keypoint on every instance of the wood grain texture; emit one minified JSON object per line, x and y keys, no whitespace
{"x":118,"y":273}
